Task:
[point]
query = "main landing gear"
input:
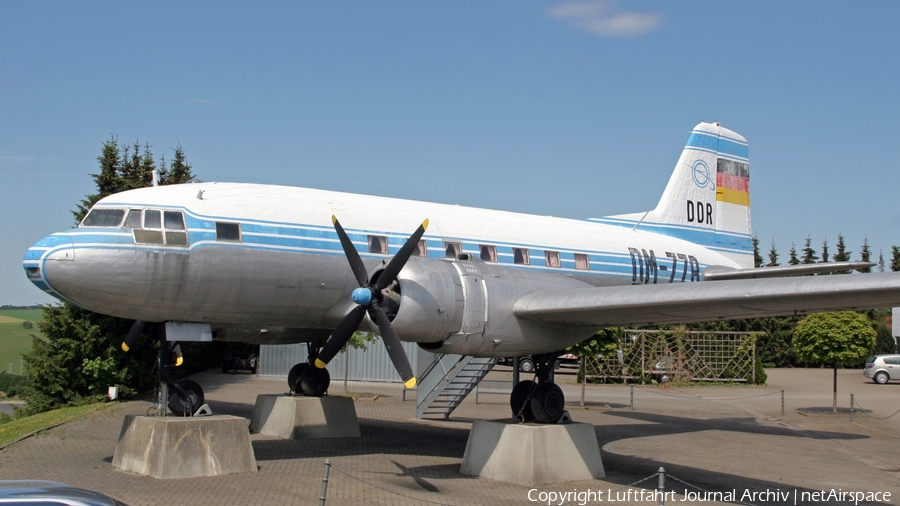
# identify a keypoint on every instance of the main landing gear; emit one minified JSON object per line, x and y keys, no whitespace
{"x":542,"y":400}
{"x":307,"y":379}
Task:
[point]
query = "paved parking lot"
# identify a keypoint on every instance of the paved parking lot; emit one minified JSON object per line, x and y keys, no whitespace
{"x":711,"y":440}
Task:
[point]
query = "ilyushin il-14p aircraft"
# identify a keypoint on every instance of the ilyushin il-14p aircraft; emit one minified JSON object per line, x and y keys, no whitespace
{"x":269,"y":264}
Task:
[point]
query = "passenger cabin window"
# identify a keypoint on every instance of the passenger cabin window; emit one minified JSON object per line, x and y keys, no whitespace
{"x":452,"y":249}
{"x":103,"y":218}
{"x":229,"y":232}
{"x":378,"y":244}
{"x":488,"y":253}
{"x":520,"y":256}
{"x":552,"y":258}
{"x":582,"y":262}
{"x":159,"y":227}
{"x":421,"y":249}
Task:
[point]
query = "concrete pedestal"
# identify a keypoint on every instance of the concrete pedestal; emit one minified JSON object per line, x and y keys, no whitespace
{"x":184,"y":447}
{"x":304,"y":417}
{"x":532,"y":454}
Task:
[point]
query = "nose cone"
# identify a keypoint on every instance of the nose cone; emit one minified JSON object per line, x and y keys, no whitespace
{"x":42,"y":256}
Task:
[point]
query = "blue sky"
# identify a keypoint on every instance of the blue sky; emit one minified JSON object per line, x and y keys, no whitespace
{"x":575,"y":109}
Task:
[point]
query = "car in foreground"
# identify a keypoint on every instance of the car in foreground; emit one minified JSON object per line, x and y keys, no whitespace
{"x":51,"y":493}
{"x":882,"y":368}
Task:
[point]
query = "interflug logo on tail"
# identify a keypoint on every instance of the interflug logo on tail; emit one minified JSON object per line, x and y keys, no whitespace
{"x":702,"y":176}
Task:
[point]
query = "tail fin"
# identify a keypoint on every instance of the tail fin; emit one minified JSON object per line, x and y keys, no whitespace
{"x":707,"y":200}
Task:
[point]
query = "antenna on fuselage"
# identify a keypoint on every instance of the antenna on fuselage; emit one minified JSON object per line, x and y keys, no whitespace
{"x":155,"y":177}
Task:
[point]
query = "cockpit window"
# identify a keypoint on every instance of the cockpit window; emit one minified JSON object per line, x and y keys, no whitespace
{"x":152,"y":219}
{"x":103,"y":218}
{"x":159,"y":227}
{"x":134,"y":219}
{"x":174,"y":220}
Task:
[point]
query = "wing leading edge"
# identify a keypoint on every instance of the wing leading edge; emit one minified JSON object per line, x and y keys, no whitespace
{"x":711,"y":300}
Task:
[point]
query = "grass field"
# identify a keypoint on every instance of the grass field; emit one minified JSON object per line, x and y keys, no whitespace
{"x":31,"y":315}
{"x":14,"y":338}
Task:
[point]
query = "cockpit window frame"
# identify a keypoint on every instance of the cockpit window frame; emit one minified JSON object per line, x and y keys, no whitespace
{"x":102,"y":210}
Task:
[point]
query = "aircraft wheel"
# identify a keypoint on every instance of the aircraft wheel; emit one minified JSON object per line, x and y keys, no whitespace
{"x":294,"y":377}
{"x":548,"y":403}
{"x":526,"y":365}
{"x":517,"y":400}
{"x":314,"y":381}
{"x":189,"y":406}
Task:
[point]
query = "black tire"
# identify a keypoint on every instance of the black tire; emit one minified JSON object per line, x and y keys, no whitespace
{"x":314,"y":381}
{"x":881,"y":378}
{"x":189,"y":406}
{"x":526,"y":365}
{"x":517,"y":399}
{"x":294,"y":376}
{"x":548,"y":403}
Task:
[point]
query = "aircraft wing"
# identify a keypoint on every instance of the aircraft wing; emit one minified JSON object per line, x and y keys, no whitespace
{"x":710,"y":300}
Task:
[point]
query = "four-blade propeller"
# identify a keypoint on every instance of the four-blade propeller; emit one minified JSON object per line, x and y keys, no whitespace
{"x":368,"y":298}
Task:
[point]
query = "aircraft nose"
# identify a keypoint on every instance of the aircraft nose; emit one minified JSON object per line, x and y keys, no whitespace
{"x":53,"y":248}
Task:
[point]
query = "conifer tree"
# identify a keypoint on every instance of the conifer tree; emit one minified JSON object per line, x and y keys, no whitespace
{"x":793,"y":255}
{"x":773,"y":255}
{"x":809,"y":254}
{"x":841,"y":255}
{"x":825,"y":250}
{"x":757,"y":258}
{"x":865,"y":255}
{"x":895,"y":258}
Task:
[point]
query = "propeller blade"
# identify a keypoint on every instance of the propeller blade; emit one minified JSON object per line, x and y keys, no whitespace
{"x":389,"y":274}
{"x":176,"y":352}
{"x":133,"y":334}
{"x":340,"y":336}
{"x":356,"y":264}
{"x":394,"y":348}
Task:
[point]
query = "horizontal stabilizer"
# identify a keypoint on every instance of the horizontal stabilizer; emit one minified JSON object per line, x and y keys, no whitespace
{"x":721,"y":272}
{"x":692,"y":302}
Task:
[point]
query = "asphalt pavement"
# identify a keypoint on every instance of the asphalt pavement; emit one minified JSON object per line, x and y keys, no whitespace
{"x":718,"y":445}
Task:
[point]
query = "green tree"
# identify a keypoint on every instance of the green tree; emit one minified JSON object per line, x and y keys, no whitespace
{"x":836,"y":339}
{"x":865,"y":255}
{"x":825,"y":250}
{"x":773,"y":255}
{"x":80,"y":358}
{"x":895,"y":258}
{"x":793,"y":255}
{"x":809,"y":253}
{"x":841,"y":255}
{"x":884,"y":341}
{"x":757,"y":258}
{"x":130,"y":167}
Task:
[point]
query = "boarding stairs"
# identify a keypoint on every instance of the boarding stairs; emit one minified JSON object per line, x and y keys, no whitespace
{"x":447,"y":381}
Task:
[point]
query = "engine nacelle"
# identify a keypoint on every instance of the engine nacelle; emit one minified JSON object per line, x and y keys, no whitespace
{"x":466,"y":307}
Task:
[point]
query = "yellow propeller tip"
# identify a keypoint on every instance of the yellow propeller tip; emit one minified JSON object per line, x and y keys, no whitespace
{"x":320,"y":364}
{"x":410,"y":383}
{"x":333,"y":219}
{"x":425,"y":223}
{"x":125,"y":347}
{"x":179,"y":361}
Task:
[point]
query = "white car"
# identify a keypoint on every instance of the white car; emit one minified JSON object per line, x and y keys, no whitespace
{"x":883,"y":368}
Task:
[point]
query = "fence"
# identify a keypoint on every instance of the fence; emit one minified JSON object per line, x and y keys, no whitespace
{"x":677,"y":356}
